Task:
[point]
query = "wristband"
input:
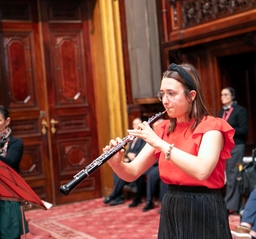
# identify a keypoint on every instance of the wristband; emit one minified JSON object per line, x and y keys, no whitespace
{"x":168,"y":152}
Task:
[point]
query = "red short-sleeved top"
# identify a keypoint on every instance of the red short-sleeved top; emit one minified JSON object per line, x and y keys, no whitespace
{"x":183,"y":138}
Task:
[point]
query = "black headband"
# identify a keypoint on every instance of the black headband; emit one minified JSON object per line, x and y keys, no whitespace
{"x":184,"y":75}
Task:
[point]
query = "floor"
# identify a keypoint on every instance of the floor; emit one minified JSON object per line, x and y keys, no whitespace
{"x":94,"y":220}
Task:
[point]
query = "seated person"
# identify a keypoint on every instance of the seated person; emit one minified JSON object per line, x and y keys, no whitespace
{"x":153,"y":180}
{"x":247,"y":227}
{"x":116,"y":196}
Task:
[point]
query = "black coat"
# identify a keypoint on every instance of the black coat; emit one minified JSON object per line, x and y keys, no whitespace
{"x":238,"y":119}
{"x":14,"y":153}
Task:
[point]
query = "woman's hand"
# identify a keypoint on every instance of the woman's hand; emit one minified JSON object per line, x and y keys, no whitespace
{"x":117,"y":158}
{"x":145,"y":132}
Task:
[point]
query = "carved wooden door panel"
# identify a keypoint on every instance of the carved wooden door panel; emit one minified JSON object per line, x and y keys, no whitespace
{"x":48,"y":88}
{"x":22,"y":92}
{"x":72,"y":124}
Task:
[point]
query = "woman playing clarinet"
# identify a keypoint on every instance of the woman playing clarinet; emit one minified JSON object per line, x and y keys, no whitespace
{"x":192,"y":147}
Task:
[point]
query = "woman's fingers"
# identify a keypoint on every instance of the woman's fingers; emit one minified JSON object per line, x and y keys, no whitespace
{"x":112,"y":143}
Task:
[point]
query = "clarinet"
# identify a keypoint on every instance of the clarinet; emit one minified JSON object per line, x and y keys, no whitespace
{"x":95,"y":164}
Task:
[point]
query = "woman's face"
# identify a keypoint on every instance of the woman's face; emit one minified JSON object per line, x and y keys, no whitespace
{"x":174,"y":100}
{"x":226,"y":97}
{"x":3,"y":122}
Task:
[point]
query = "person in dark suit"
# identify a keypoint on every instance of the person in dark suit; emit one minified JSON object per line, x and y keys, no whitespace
{"x":154,"y":182}
{"x":236,"y":115}
{"x":116,"y":196}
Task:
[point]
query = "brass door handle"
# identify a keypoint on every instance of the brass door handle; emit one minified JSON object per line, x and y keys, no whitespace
{"x":44,"y":126}
{"x":53,"y":123}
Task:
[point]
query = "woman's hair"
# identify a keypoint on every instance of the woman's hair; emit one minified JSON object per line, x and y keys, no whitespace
{"x":4,"y":112}
{"x":232,"y":92}
{"x":197,"y":109}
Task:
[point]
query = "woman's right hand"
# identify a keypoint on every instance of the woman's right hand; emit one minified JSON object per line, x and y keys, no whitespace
{"x":117,"y":158}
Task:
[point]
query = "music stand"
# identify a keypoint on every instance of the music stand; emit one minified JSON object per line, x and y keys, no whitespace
{"x":14,"y":188}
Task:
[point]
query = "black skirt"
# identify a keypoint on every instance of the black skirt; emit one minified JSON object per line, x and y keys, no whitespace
{"x":193,"y":213}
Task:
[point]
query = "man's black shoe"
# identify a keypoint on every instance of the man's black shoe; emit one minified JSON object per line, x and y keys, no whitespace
{"x":116,"y":201}
{"x":107,"y":200}
{"x":149,"y":206}
{"x":135,"y":203}
{"x":129,"y":188}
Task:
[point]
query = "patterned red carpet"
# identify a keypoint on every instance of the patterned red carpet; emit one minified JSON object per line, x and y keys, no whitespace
{"x":94,"y":220}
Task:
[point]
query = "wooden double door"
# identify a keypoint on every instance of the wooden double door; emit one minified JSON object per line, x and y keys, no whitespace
{"x":47,"y":84}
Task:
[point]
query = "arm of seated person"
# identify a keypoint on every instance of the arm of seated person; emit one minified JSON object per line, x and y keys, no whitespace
{"x":131,"y":156}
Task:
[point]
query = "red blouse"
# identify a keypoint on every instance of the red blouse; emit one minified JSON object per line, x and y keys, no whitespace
{"x":188,"y":141}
